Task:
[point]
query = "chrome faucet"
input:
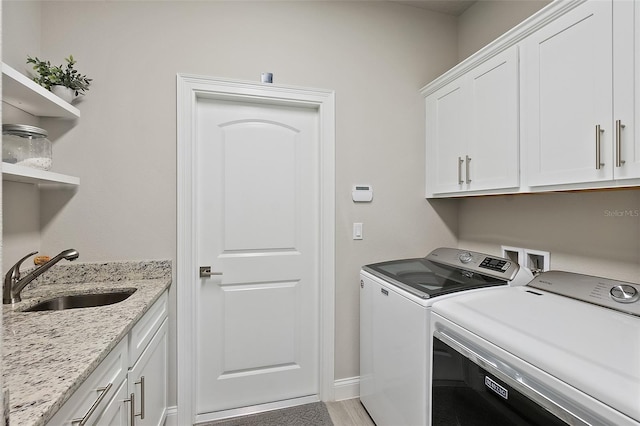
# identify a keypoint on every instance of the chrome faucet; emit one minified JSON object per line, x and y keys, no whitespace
{"x":13,"y":284}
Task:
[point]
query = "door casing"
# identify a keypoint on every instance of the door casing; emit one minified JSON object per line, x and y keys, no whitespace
{"x":189,"y":89}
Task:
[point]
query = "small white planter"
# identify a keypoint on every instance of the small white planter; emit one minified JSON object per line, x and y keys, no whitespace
{"x":65,"y":93}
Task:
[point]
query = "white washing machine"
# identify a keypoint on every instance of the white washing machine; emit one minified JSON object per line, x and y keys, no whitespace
{"x":395,"y":300}
{"x":565,"y":349}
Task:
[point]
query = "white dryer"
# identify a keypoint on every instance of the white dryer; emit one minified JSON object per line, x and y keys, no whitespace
{"x":565,"y":349}
{"x":395,"y":300}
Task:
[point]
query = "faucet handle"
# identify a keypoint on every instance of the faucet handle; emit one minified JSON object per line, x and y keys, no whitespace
{"x":14,"y":272}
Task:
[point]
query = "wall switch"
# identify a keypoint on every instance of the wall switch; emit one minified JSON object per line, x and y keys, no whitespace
{"x":357,"y":231}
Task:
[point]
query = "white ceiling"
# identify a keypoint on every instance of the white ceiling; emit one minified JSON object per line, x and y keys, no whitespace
{"x":450,"y":7}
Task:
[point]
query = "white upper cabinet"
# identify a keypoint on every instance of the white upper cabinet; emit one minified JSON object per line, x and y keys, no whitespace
{"x":551,"y":105}
{"x":567,"y":108}
{"x":446,"y":137}
{"x":580,"y":97}
{"x":472,"y":129}
{"x":493,"y":135}
{"x":626,"y":89}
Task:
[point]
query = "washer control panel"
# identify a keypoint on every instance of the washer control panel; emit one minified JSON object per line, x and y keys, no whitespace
{"x":619,"y":295}
{"x":475,"y":262}
{"x":495,"y":264}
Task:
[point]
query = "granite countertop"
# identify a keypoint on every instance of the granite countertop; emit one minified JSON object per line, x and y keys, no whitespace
{"x":47,"y":355}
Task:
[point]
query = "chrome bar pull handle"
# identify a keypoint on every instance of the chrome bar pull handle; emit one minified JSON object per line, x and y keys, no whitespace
{"x":205,"y":272}
{"x":103,"y":392}
{"x":599,"y":132}
{"x":141,"y":383}
{"x":619,"y":127}
{"x":132,"y":408}
{"x":460,"y":161}
{"x":467,"y":169}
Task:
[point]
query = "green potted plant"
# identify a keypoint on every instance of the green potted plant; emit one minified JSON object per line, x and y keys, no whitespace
{"x":63,"y":80}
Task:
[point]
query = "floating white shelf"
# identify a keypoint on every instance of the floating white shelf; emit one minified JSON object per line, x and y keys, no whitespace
{"x":14,"y":173}
{"x":23,"y":93}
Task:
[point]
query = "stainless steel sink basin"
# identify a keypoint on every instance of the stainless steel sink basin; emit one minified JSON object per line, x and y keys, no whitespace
{"x":81,"y":301}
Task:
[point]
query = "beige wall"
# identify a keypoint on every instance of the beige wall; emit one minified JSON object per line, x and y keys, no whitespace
{"x":594,"y":232}
{"x":486,"y":20}
{"x":21,"y":234}
{"x":375,"y":55}
{"x":21,"y":20}
{"x":583,"y":231}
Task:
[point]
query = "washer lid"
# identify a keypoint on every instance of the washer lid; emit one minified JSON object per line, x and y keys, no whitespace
{"x":445,"y":271}
{"x":594,"y":349}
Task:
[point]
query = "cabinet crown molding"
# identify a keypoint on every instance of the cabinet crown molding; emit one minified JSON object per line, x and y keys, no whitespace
{"x":515,"y":35}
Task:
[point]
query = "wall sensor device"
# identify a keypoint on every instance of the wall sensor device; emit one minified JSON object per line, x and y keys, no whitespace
{"x":362,"y":193}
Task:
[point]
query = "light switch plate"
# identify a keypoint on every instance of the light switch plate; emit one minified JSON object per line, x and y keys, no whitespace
{"x":357,"y":231}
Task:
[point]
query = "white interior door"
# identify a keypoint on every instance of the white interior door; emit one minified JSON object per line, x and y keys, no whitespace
{"x":257,"y":223}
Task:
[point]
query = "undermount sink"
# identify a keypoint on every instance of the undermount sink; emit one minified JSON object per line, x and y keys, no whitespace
{"x":81,"y":301}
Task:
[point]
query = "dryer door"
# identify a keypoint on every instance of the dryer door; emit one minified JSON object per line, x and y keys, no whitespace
{"x":477,"y":383}
{"x":464,"y":393}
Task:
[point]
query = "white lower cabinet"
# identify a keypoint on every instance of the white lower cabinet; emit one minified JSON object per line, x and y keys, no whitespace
{"x":116,"y":412}
{"x":147,"y":382}
{"x":91,"y":398}
{"x":129,"y":387}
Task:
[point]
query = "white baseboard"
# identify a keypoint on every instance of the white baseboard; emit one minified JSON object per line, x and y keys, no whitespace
{"x":346,"y":388}
{"x":342,"y":389}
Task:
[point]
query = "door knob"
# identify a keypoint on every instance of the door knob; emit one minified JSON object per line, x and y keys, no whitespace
{"x":205,"y":272}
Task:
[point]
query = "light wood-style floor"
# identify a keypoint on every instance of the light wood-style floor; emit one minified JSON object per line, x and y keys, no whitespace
{"x":349,"y":412}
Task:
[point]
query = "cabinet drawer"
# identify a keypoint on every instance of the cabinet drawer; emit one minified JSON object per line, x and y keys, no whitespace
{"x":143,"y":331}
{"x":99,"y":388}
{"x":116,"y":412}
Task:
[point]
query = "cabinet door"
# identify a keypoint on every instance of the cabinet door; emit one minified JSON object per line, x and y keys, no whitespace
{"x":626,"y":79}
{"x":446,"y":138}
{"x":567,"y":93}
{"x":147,"y":381}
{"x":491,"y":159}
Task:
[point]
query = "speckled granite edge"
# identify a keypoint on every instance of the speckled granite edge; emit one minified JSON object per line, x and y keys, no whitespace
{"x":48,"y":355}
{"x":74,"y":272}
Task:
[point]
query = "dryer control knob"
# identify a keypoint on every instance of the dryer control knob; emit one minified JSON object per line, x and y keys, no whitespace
{"x":624,"y":293}
{"x":465,"y":257}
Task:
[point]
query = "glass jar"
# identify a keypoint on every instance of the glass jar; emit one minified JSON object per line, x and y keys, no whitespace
{"x":25,"y":145}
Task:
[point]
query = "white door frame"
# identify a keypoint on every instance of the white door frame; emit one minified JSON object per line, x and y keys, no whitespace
{"x":189,"y":89}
